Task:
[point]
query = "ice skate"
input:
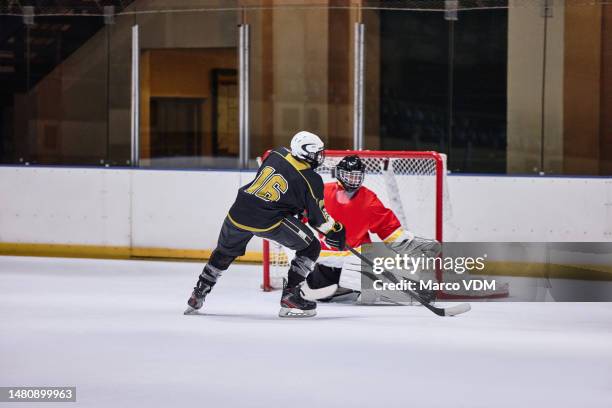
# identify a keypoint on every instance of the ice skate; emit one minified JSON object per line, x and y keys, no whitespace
{"x":294,"y":305}
{"x":195,"y":302}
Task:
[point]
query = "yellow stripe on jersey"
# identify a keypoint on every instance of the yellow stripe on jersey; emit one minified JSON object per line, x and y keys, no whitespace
{"x":327,"y":252}
{"x":252,"y":229}
{"x":394,"y":235}
{"x":298,"y":166}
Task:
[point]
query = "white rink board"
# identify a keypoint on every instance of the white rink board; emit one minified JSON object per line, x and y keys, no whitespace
{"x":65,"y":206}
{"x":529,"y":209}
{"x":184,"y":209}
{"x":180,"y":209}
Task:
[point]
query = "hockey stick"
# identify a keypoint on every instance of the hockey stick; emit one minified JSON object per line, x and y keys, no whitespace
{"x":440,"y":311}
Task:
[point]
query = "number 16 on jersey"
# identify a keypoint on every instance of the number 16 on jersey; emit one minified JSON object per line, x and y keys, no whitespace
{"x":268,"y":185}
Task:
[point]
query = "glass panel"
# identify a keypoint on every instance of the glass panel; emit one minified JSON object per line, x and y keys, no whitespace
{"x":552,"y":91}
{"x":525,"y":66}
{"x":579,"y":69}
{"x":434,"y":83}
{"x":68,"y":91}
{"x":407,"y":92}
{"x":605,"y":144}
{"x":13,"y":91}
{"x":189,"y":88}
{"x":301,"y":76}
{"x":479,"y":58}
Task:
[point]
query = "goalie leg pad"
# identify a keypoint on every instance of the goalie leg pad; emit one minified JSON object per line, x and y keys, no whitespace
{"x":350,"y":280}
{"x":351,"y":276}
{"x":323,"y":276}
{"x":312,"y":294}
{"x":321,"y":283}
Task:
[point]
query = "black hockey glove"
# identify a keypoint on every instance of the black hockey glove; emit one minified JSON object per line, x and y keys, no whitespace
{"x":336,"y":237}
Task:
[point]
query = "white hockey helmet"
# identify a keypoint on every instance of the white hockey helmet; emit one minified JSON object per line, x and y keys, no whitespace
{"x":308,"y":147}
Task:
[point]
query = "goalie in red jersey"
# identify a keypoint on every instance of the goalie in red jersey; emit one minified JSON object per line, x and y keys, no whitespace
{"x":362,"y":213}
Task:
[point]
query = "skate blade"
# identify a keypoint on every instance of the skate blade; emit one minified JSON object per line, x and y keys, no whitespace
{"x":190,"y":311}
{"x":296,"y":313}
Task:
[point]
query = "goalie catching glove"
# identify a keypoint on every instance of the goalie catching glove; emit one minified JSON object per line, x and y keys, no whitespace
{"x":417,"y":246}
{"x":336,"y":236}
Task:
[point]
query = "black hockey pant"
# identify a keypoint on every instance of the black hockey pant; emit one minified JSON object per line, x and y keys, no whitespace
{"x":290,"y":233}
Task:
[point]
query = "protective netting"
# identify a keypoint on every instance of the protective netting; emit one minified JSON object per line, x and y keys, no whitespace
{"x":413,"y":166}
{"x":404,"y":181}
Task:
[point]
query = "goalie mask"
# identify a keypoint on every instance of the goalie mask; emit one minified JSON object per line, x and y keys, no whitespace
{"x":350,"y":173}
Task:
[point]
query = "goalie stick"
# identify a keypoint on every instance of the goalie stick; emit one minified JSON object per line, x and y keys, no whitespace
{"x":440,"y":311}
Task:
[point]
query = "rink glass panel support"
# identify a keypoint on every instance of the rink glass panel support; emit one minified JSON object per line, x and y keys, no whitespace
{"x":243,"y":103}
{"x":358,"y":75}
{"x":135,"y":99}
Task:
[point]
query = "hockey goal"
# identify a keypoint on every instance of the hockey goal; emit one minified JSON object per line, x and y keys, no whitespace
{"x":411,"y":183}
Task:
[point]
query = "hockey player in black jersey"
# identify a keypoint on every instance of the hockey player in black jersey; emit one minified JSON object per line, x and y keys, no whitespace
{"x":285,"y":187}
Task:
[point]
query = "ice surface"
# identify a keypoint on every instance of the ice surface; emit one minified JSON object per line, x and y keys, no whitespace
{"x":115,"y":329}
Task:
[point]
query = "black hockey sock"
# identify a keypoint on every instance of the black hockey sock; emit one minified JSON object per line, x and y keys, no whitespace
{"x":294,"y":279}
